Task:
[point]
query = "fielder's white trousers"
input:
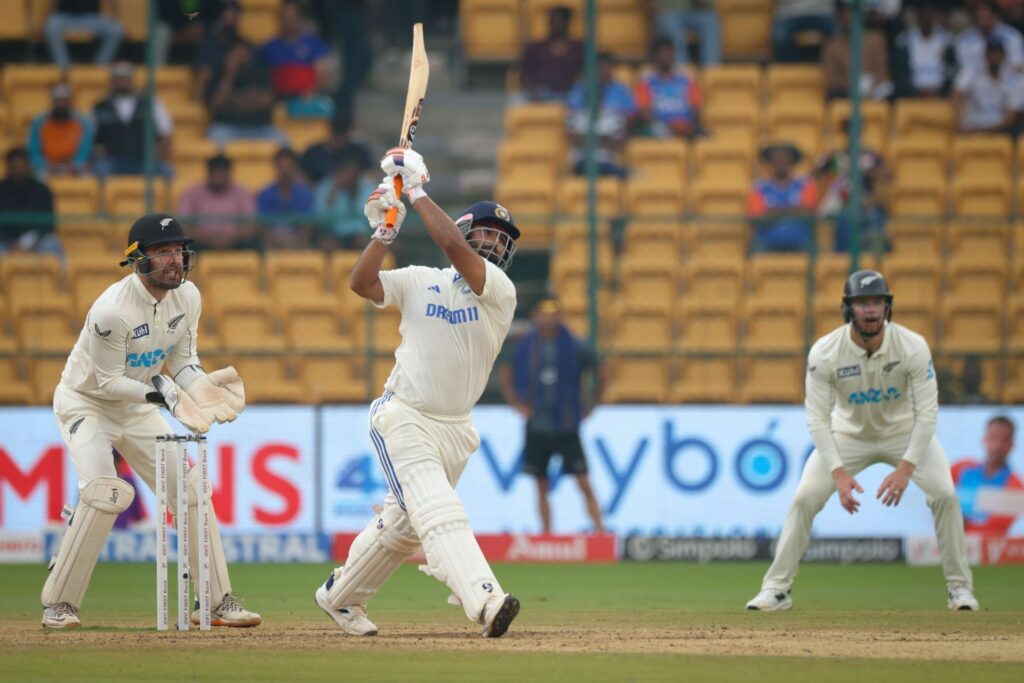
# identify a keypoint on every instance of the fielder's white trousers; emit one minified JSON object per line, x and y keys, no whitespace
{"x":816,"y":486}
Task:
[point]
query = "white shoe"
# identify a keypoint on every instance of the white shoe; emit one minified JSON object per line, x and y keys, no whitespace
{"x":229,"y":613}
{"x":61,"y":615}
{"x":351,"y":619}
{"x":771,"y":600}
{"x":497,"y":623}
{"x":961,"y":598}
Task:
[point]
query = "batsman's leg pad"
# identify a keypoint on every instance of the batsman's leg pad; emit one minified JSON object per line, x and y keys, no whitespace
{"x":380,"y":549}
{"x":220,"y":583}
{"x":453,"y":555}
{"x":99,"y":504}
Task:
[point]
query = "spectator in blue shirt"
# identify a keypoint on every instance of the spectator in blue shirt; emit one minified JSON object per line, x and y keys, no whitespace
{"x":300,"y":65}
{"x":616,"y":114}
{"x":286,"y":206}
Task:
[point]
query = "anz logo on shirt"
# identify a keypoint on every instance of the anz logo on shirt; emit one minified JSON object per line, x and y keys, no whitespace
{"x":859,"y":398}
{"x":149,"y":358}
{"x":454,"y":316}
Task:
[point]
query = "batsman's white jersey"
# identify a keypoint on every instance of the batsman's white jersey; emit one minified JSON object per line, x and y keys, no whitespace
{"x":863,"y":410}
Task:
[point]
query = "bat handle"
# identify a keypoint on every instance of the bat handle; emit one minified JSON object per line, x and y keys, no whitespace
{"x":392,"y":214}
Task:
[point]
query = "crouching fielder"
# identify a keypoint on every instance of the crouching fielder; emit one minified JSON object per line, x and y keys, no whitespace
{"x":454,"y":321}
{"x":110,"y":396}
{"x":871,"y":397}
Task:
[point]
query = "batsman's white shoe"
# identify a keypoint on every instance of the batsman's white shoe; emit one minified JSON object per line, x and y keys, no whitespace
{"x":771,"y":600}
{"x":229,"y":613}
{"x":61,"y":615}
{"x":351,"y":619}
{"x":961,"y":598}
{"x":498,"y":616}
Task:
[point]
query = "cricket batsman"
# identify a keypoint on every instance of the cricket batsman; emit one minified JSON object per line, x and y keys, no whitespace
{"x":871,"y":398}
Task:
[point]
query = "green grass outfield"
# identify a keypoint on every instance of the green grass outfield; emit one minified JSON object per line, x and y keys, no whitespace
{"x":579,"y":623}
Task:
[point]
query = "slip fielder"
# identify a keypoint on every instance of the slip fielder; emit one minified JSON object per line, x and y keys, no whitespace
{"x":454,"y":321}
{"x":871,"y":397}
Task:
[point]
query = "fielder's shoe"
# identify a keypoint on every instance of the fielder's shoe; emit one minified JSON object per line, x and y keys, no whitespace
{"x":961,"y":598}
{"x":771,"y":600}
{"x":351,"y":619}
{"x":61,"y":615}
{"x":229,"y":613}
{"x":501,"y":618}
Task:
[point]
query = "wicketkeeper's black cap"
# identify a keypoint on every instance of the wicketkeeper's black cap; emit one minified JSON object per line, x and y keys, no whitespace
{"x":152,"y":230}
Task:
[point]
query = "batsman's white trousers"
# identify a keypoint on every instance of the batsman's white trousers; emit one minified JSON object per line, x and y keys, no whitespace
{"x":816,"y":485}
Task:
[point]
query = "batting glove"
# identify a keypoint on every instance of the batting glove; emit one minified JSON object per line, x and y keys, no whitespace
{"x":382,"y":199}
{"x":409,"y":164}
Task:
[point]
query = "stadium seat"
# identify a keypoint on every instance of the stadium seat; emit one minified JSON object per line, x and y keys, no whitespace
{"x":332,"y":379}
{"x":642,"y":332}
{"x":45,"y":372}
{"x":315,"y":325}
{"x":919,"y":198}
{"x":981,"y":195}
{"x":89,"y":275}
{"x":795,"y":84}
{"x":253,"y":161}
{"x":258,"y":21}
{"x":574,"y":233}
{"x":134,"y":18}
{"x":775,"y":326}
{"x":800,"y":123}
{"x":979,"y":241}
{"x":226,"y":276}
{"x":910,"y":237}
{"x":302,"y":133}
{"x":919,"y":317}
{"x":875,"y":132}
{"x":248,"y":326}
{"x":44,"y":326}
{"x":538,"y":162}
{"x":704,"y":379}
{"x":539,"y":122}
{"x":572,"y":197}
{"x":622,"y":28}
{"x":646,"y":291}
{"x":638,"y":380}
{"x":15,"y":388}
{"x":124,"y":197}
{"x":993,"y":377}
{"x":88,"y":236}
{"x":269,"y":379}
{"x":930,"y":119}
{"x":575,"y":262}
{"x":720,"y":197}
{"x":297,"y":275}
{"x":1015,"y":319}
{"x":536,"y":17}
{"x":827,"y":316}
{"x":24,"y":77}
{"x":912,"y":158}
{"x":913,"y":278}
{"x":31,"y":278}
{"x":773,"y":380}
{"x":657,"y":197}
{"x":75,"y":196}
{"x":532,"y":201}
{"x":189,"y":119}
{"x":971,"y":326}
{"x":746,"y":28}
{"x":651,"y":157}
{"x":15,"y":25}
{"x":490,"y":30}
{"x":983,"y":156}
{"x":1013,"y":386}
{"x":738,"y":123}
{"x":780,"y":277}
{"x":189,"y":157}
{"x":706,"y":325}
{"x":976,"y":281}
{"x":665,"y":236}
{"x":89,"y":83}
{"x":831,"y":272}
{"x":725,"y":239}
{"x":23,"y":106}
{"x":724,"y":160}
{"x":340,"y":266}
{"x":737,"y":85}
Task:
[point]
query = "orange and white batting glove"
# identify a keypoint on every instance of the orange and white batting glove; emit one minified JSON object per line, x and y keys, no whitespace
{"x":410,"y":165}
{"x":376,"y":208}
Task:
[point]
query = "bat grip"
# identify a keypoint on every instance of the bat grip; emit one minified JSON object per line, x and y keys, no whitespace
{"x":392,"y":214}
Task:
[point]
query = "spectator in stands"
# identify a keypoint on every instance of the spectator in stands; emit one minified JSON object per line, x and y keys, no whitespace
{"x":989,"y":99}
{"x":1012,"y":12}
{"x":181,"y":22}
{"x":678,"y":18}
{"x":60,"y":141}
{"x":21,"y":193}
{"x":972,"y":43}
{"x":793,"y":17}
{"x":300,"y":65}
{"x":971,"y":477}
{"x":339,"y":200}
{"x":220,"y":36}
{"x":120,"y":128}
{"x":875,"y":82}
{"x":82,"y":15}
{"x":216,"y":211}
{"x":240,"y":99}
{"x":286,"y":206}
{"x":667,"y":98}
{"x":546,"y":384}
{"x":781,"y":207}
{"x":615,"y":117}
{"x":548,"y":68}
{"x":318,"y":160}
{"x":925,"y":60}
{"x":832,"y":175}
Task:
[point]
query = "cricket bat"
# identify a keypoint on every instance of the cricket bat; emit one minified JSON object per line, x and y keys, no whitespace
{"x":419,"y":73}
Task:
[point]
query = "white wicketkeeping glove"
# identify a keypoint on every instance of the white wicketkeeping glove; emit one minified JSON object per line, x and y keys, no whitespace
{"x":219,"y":395}
{"x":409,"y":164}
{"x":181,"y":405}
{"x":376,"y":208}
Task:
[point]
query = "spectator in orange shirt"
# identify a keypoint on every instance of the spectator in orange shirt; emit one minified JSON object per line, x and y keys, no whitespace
{"x":970,"y":476}
{"x":781,"y":206}
{"x":60,"y":140}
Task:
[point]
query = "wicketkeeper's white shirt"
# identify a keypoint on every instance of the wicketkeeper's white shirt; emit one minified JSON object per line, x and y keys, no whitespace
{"x":127,"y":337}
{"x":450,"y":336}
{"x":891,"y":392}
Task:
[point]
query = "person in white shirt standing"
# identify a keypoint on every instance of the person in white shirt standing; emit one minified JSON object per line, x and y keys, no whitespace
{"x":990,"y":99}
{"x":110,"y":395}
{"x":871,"y":398}
{"x":454,"y":321}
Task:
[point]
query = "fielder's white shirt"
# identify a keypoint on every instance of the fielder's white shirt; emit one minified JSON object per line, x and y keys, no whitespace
{"x":126,"y":338}
{"x":450,"y":336}
{"x":891,"y":392}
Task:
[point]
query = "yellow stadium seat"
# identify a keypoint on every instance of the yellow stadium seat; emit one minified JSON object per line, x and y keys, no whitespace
{"x":174,"y":84}
{"x":46,"y":372}
{"x":717,"y":241}
{"x":736,"y":122}
{"x":340,"y":266}
{"x":974,"y":280}
{"x":721,"y":197}
{"x":45,"y":326}
{"x":89,"y":275}
{"x":24,"y":106}
{"x":643,"y":332}
{"x":89,"y":83}
{"x":542,"y":122}
{"x":982,"y":196}
{"x":913,"y":278}
{"x":298,"y":275}
{"x":790,"y":84}
{"x":638,"y":380}
{"x":572,"y":196}
{"x":652,"y":255}
{"x":15,"y":25}
{"x":706,"y":325}
{"x":927,"y":118}
{"x":316,"y":325}
{"x":29,"y":278}
{"x":76,"y":196}
{"x":664,"y":236}
{"x":269,"y":379}
{"x":248,"y":326}
{"x":773,"y":380}
{"x":647,"y":291}
{"x":88,"y":236}
{"x":253,"y":161}
{"x":532,"y":201}
{"x":734,"y":84}
{"x":746,"y":28}
{"x":798,"y":123}
{"x":622,"y":28}
{"x":192,"y":151}
{"x":704,"y":379}
{"x":971,"y":326}
{"x":919,"y":198}
{"x":724,"y":160}
{"x":779,"y":277}
{"x":227,"y":276}
{"x":988,"y":241}
{"x":875,"y":126}
{"x":655,"y":197}
{"x":258,"y":22}
{"x":910,"y":237}
{"x":15,"y":388}
{"x":125,"y":197}
{"x":827,"y":316}
{"x":535,"y":161}
{"x":715,"y":279}
{"x":332,"y":379}
{"x":650,"y":157}
{"x":575,"y":262}
{"x":919,"y":317}
{"x":189,"y":119}
{"x":24,"y":77}
{"x":775,"y":326}
{"x":134,"y":18}
{"x":1015,"y":314}
{"x":537,"y":12}
{"x":983,"y":156}
{"x":918,"y":158}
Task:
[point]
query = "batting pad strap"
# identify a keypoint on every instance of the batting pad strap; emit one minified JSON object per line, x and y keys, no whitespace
{"x":220,"y":582}
{"x":99,"y":504}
